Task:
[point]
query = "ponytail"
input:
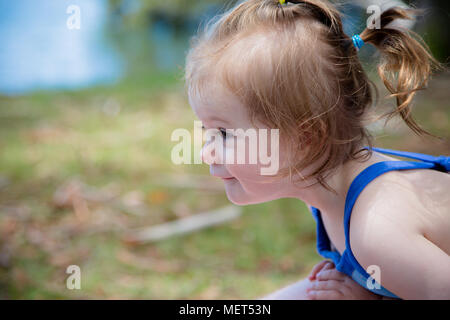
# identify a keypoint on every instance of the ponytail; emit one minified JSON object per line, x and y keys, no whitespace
{"x":406,"y":63}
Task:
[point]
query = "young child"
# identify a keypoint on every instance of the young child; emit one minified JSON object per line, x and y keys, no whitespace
{"x":288,"y":65}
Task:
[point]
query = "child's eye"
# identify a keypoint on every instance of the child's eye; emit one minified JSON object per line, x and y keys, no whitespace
{"x":224,"y":133}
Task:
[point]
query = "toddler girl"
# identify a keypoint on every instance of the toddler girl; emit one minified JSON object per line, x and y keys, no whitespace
{"x":288,"y":65}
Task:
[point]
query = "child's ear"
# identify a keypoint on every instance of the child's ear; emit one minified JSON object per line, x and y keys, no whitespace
{"x":306,"y":135}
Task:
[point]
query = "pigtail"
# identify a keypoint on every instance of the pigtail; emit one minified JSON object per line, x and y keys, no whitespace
{"x":406,"y":63}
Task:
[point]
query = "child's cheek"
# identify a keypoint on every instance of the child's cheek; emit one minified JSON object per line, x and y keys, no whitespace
{"x":242,"y":154}
{"x":244,"y":158}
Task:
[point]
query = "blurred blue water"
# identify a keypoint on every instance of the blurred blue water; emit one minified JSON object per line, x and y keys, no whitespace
{"x":39,"y":51}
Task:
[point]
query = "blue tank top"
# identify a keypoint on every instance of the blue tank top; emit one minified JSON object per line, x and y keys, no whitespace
{"x":347,"y":263}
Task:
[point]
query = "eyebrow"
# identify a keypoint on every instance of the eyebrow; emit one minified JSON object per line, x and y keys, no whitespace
{"x":217,"y":119}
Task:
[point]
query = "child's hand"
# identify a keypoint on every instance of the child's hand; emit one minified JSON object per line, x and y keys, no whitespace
{"x":326,"y":283}
{"x":322,"y":265}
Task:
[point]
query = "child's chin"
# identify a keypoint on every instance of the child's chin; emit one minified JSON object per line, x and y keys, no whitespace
{"x":241,"y":200}
{"x":238,"y":200}
{"x":237,"y":195}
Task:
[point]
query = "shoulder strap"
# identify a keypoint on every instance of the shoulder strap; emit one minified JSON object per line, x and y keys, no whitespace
{"x":368,"y":175}
{"x":442,"y":162}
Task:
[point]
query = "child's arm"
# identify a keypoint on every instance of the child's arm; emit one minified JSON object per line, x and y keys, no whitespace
{"x":410,"y":265}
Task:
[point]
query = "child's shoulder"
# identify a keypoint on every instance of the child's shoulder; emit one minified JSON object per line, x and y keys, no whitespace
{"x":404,"y":194}
{"x":404,"y":203}
{"x":400,"y":224}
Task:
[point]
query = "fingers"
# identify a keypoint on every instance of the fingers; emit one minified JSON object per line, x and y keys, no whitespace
{"x":324,"y":295}
{"x":325,"y":285}
{"x":317,"y":268}
{"x":330,"y":274}
{"x":328,"y":290}
{"x":330,"y":284}
{"x":330,"y":265}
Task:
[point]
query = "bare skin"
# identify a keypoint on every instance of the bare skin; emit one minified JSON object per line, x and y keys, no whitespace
{"x":324,"y":283}
{"x":399,"y":223}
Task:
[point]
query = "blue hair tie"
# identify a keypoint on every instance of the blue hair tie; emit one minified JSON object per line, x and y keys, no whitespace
{"x":357,"y":41}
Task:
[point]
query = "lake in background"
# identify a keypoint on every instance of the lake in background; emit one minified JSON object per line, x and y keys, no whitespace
{"x":40,"y":52}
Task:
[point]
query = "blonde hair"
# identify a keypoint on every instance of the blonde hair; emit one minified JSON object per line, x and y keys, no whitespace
{"x":295,"y":69}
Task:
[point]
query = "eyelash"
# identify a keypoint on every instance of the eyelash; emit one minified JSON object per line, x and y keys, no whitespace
{"x":222,"y":131}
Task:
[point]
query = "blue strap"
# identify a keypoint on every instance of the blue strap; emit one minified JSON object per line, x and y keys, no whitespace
{"x":443,"y":162}
{"x":323,"y":242}
{"x":366,"y":176}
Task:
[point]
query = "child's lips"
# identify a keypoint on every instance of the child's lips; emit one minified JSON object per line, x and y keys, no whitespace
{"x":224,"y":178}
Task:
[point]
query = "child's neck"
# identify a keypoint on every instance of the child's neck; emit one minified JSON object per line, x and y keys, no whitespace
{"x":331,"y":203}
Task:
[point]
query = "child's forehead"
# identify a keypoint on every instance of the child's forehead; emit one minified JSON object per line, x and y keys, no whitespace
{"x":213,"y":102}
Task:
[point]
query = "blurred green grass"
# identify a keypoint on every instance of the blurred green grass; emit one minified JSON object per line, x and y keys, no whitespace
{"x":117,"y":140}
